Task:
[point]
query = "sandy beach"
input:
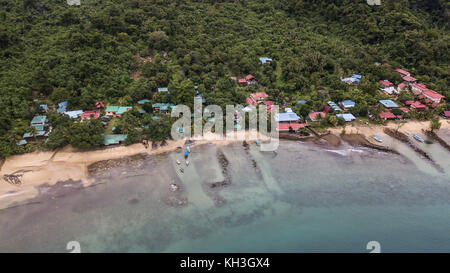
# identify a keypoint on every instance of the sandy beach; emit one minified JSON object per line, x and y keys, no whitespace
{"x":40,"y":168}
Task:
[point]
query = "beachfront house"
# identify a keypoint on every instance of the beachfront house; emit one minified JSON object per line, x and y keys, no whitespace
{"x":39,"y":123}
{"x":288,"y":120}
{"x":389,"y":116}
{"x":347,"y":117}
{"x":315,"y":116}
{"x":265,"y":60}
{"x":347,"y":104}
{"x":388,"y":104}
{"x":113,"y":139}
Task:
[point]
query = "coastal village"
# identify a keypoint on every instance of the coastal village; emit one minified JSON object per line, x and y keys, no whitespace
{"x":393,"y":107}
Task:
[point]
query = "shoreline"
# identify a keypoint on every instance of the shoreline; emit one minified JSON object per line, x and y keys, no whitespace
{"x":49,"y":168}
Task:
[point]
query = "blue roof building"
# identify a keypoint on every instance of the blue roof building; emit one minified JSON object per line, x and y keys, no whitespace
{"x":301,"y":102}
{"x":74,"y":114}
{"x":265,"y":60}
{"x":348,"y":104}
{"x":347,"y":117}
{"x":163,"y":89}
{"x":43,"y":107}
{"x":144,"y":101}
{"x":388,"y":103}
{"x":286,"y":117}
{"x":63,"y":104}
{"x":335,"y":107}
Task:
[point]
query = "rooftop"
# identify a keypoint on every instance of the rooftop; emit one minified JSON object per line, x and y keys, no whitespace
{"x":347,"y":117}
{"x":113,"y":139}
{"x":388,"y":103}
{"x":283,"y":117}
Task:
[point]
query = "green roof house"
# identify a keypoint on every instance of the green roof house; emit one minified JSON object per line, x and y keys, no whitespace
{"x":39,"y":120}
{"x":113,"y":139}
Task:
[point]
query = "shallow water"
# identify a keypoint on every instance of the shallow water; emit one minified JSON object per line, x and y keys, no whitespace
{"x":304,"y":198}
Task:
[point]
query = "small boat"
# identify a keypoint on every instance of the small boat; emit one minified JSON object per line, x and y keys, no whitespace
{"x":182,"y":170}
{"x":186,"y":154}
{"x":187,"y":162}
{"x":418,"y":138}
{"x":178,"y":162}
{"x":377,"y":138}
{"x":258,"y":142}
{"x":188,"y":149}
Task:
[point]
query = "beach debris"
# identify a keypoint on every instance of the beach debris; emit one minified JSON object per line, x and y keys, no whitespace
{"x":418,"y":138}
{"x":377,"y":138}
{"x":174,"y":187}
{"x":13,"y":179}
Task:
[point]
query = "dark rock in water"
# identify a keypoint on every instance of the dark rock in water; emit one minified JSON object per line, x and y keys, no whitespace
{"x":133,"y":201}
{"x":154,"y":146}
{"x":220,"y":184}
{"x":175,"y":201}
{"x":189,"y":142}
{"x":219,"y":201}
{"x":246,"y":145}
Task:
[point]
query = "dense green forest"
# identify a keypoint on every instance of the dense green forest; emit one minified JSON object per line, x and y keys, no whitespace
{"x":120,"y":51}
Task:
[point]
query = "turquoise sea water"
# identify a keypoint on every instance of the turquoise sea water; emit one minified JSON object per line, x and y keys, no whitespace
{"x":304,"y":198}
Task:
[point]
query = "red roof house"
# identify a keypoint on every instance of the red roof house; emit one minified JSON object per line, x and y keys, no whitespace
{"x":401,"y":86}
{"x":249,"y":101}
{"x":409,"y":102}
{"x":242,"y":81}
{"x":418,"y":106}
{"x":99,"y":104}
{"x":285,"y":126}
{"x":313,"y":115}
{"x":409,"y":79}
{"x":387,"y":83}
{"x":269,"y":104}
{"x":403,"y":72}
{"x":433,"y":95}
{"x":447,"y":114}
{"x":387,"y":115}
{"x":404,"y":110}
{"x":90,"y":114}
{"x":249,"y":77}
{"x":259,"y":96}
